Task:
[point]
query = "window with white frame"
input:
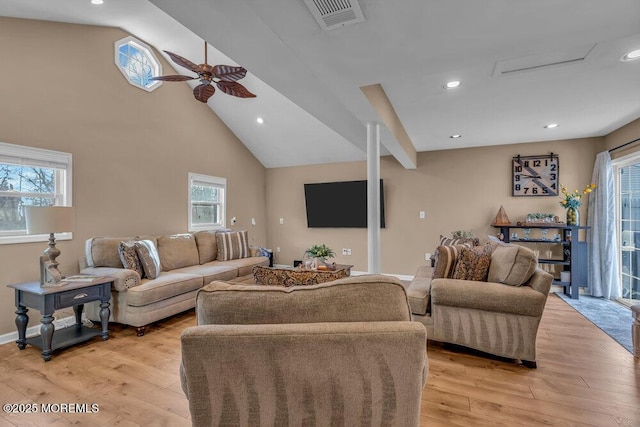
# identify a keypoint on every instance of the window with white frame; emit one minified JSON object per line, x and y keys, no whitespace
{"x":207,"y":203}
{"x":137,"y":63}
{"x":31,"y":177}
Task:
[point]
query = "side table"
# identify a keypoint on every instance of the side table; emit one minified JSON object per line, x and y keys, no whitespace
{"x":49,"y":299}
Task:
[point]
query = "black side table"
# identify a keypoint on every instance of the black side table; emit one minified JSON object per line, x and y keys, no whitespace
{"x":49,"y":299}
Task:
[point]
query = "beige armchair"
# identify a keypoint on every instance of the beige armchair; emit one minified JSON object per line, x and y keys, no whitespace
{"x":338,"y":353}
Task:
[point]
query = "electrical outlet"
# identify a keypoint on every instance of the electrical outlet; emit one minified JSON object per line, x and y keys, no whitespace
{"x":348,"y":252}
{"x":427,"y":256}
{"x":422,"y":215}
{"x":233,"y":220}
{"x":344,"y":251}
{"x":253,"y":221}
{"x":278,"y":249}
{"x":281,"y":221}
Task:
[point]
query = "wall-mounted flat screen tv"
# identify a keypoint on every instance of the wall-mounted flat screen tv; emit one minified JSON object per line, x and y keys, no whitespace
{"x":339,"y":204}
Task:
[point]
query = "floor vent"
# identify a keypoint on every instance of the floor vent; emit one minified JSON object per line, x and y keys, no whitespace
{"x":332,"y":14}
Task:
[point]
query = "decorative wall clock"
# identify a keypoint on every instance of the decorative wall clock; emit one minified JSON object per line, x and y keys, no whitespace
{"x":535,"y":175}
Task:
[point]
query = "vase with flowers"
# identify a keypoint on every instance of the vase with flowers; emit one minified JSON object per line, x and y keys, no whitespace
{"x":571,"y":202}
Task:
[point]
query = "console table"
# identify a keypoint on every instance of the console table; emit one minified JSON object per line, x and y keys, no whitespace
{"x":49,"y":299}
{"x":574,"y":252}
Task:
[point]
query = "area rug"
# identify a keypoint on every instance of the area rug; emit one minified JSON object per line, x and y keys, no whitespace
{"x":611,"y":317}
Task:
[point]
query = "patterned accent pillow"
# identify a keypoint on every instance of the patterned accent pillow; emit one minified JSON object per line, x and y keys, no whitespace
{"x":129,"y":256}
{"x":149,"y":258}
{"x":234,"y":245}
{"x":473,"y":263}
{"x":446,"y":259}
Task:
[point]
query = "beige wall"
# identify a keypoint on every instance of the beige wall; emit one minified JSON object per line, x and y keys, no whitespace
{"x":458,"y":189}
{"x":627,"y":133}
{"x":132,"y":150}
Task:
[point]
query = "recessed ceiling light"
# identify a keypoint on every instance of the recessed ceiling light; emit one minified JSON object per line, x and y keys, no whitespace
{"x":457,"y":135}
{"x":452,"y":84}
{"x":97,"y":1}
{"x":551,"y":126}
{"x":260,"y":120}
{"x":631,"y":56}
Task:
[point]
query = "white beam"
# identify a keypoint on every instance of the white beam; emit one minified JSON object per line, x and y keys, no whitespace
{"x":373,"y":197}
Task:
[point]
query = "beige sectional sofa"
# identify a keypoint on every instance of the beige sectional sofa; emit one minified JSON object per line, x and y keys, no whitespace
{"x":187,"y":263}
{"x":499,"y":316}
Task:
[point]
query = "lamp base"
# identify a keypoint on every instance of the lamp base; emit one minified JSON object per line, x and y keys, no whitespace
{"x":49,"y":273}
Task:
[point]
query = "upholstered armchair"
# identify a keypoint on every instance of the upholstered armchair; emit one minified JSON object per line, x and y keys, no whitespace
{"x":337,"y":353}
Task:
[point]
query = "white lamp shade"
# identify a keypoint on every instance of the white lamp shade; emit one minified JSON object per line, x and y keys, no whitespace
{"x":48,"y":219}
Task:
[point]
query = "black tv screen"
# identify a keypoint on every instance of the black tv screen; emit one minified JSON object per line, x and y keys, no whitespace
{"x":339,"y":204}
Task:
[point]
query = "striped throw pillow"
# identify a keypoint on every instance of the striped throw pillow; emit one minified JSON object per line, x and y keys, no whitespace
{"x":447,"y":257}
{"x":234,"y":245}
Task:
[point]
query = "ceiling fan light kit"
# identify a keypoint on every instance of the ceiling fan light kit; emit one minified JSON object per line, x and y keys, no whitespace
{"x":225,"y":77}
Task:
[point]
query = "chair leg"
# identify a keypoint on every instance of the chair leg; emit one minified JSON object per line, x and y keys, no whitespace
{"x":140,"y":330}
{"x":531,"y":364}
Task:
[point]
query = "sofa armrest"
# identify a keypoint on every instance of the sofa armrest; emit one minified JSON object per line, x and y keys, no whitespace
{"x":540,"y":281}
{"x":124,"y":278}
{"x":487,"y":296}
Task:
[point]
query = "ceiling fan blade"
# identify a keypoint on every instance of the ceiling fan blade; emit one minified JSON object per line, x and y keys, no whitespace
{"x":175,"y":78}
{"x":229,"y":73}
{"x":182,"y":61}
{"x":235,"y":89}
{"x":203,"y":92}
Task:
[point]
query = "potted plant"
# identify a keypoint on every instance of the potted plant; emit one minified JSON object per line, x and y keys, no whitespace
{"x":320,"y":251}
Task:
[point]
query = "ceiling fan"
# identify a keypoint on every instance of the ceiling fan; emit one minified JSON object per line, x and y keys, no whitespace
{"x":224,"y":76}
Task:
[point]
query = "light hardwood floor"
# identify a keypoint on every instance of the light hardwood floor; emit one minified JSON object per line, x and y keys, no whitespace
{"x":583,"y":378}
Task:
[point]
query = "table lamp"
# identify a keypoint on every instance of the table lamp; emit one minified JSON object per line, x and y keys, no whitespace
{"x":49,"y":220}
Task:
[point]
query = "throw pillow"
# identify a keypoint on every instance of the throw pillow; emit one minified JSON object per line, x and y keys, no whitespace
{"x":473,"y":263}
{"x":129,"y":256}
{"x":149,"y":258}
{"x":446,"y":259}
{"x":468,"y":241}
{"x":512,"y":265}
{"x":234,"y":245}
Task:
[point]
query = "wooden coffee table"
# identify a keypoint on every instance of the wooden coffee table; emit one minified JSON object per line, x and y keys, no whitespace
{"x":294,"y":276}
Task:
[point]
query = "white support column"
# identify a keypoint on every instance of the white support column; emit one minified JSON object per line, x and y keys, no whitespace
{"x":373,"y":196}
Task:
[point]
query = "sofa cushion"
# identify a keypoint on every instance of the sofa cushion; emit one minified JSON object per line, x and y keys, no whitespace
{"x":418,"y":291}
{"x":211,"y":271}
{"x":129,"y":256}
{"x":103,"y":251}
{"x":446,"y":259}
{"x":177,"y":251}
{"x":207,"y":245}
{"x":167,"y":285}
{"x":232,"y":245}
{"x":245,"y":265}
{"x":149,"y":258}
{"x":473,"y":263}
{"x":512,"y":265}
{"x":367,"y":298}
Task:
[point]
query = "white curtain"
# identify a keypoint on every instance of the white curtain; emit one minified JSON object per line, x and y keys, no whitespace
{"x":604,"y":279}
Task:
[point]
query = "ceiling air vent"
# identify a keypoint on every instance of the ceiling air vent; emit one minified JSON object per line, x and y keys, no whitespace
{"x":332,"y":14}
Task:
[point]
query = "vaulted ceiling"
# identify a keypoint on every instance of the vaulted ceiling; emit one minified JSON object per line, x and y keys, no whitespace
{"x":522,"y":65}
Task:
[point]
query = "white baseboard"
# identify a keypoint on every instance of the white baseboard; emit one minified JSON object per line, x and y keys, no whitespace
{"x":32,"y":331}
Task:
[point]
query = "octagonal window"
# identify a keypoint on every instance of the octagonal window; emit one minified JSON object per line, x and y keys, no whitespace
{"x":137,"y":63}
